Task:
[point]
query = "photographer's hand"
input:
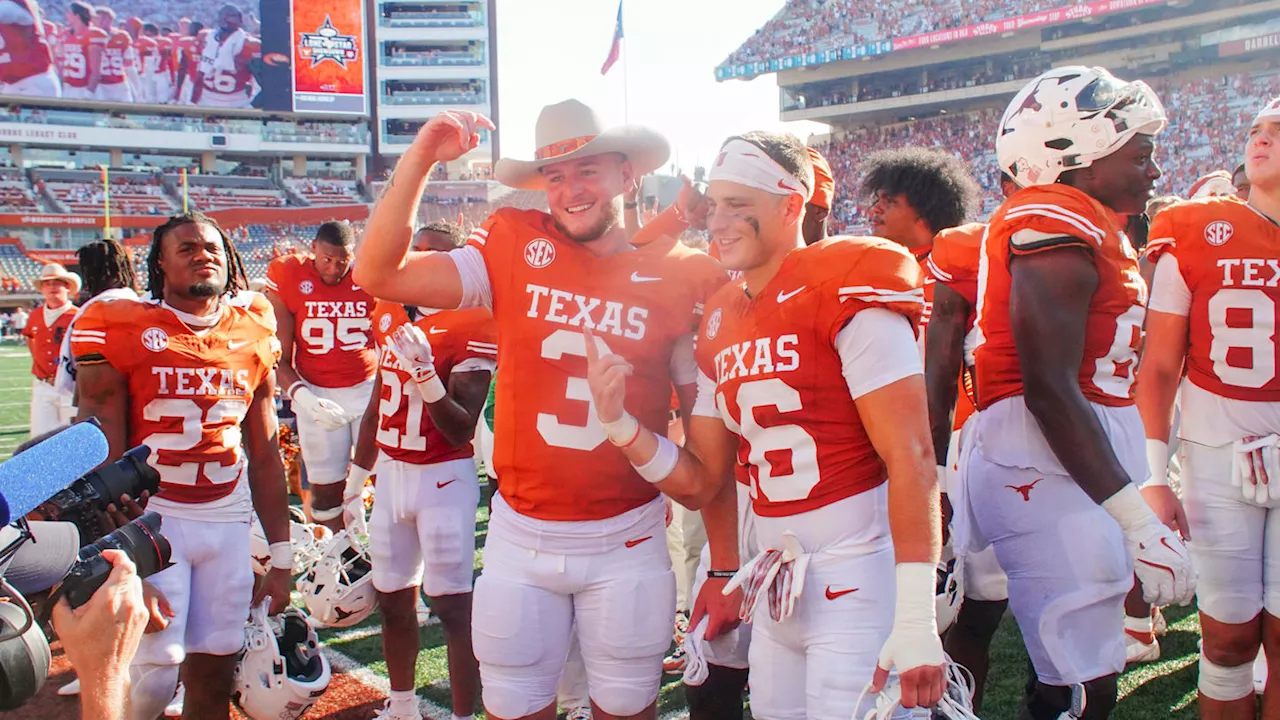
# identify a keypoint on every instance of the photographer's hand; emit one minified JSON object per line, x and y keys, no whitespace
{"x":102,"y":636}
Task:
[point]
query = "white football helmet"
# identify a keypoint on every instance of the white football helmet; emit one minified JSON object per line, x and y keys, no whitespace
{"x":308,"y":541}
{"x":338,"y":588}
{"x":1070,"y":117}
{"x":281,"y":671}
{"x":950,"y":592}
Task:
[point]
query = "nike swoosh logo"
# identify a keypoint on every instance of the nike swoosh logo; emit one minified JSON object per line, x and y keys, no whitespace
{"x":633,"y":543}
{"x":783,"y":297}
{"x":436,"y":331}
{"x":637,"y":277}
{"x":355,"y":287}
{"x":832,"y":595}
{"x":442,"y":485}
{"x":237,"y":345}
{"x":783,"y":184}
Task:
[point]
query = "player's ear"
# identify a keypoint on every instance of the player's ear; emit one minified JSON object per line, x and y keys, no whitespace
{"x":628,"y":172}
{"x":795,"y":208}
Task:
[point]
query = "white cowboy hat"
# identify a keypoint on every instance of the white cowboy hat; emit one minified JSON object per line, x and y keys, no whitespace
{"x":54,"y":271}
{"x":571,"y":129}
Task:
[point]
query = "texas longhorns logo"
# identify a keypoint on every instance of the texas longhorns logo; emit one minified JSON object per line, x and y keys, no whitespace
{"x":1025,"y":489}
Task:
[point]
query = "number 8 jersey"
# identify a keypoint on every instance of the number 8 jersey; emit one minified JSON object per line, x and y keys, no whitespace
{"x":1218,"y":265}
{"x":332,"y":347}
{"x":189,"y":389}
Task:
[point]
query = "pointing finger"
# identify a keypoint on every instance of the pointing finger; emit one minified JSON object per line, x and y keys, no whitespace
{"x":593,"y":353}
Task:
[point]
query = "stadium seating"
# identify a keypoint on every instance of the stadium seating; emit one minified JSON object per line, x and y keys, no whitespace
{"x":1209,"y":119}
{"x":14,"y":264}
{"x":218,"y":192}
{"x":81,"y":192}
{"x":326,"y":191}
{"x":15,"y":194}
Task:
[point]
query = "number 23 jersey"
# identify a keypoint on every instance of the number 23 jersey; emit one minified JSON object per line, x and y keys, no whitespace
{"x":779,"y":377}
{"x":551,"y":453}
{"x":188,"y":392}
{"x":332,"y":346}
{"x":1218,"y":265}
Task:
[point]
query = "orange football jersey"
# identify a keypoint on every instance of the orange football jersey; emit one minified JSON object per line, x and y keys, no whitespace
{"x":405,"y":430}
{"x":45,"y":341}
{"x":75,"y":55}
{"x":1037,"y":219}
{"x":24,"y":46}
{"x":331,"y":343}
{"x":117,"y":57}
{"x":1227,"y":254}
{"x":778,"y":374}
{"x":954,"y":262}
{"x":551,"y":453}
{"x":188,"y":392}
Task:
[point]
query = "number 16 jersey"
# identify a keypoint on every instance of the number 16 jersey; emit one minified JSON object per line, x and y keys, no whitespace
{"x":550,"y":450}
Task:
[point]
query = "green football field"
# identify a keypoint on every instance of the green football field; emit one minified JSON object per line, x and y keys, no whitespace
{"x":1165,"y":689}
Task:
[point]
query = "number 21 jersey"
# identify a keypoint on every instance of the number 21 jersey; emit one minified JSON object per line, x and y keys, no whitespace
{"x":551,"y":453}
{"x":332,"y":346}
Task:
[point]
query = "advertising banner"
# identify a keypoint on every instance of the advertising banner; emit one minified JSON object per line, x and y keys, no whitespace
{"x":329,"y":56}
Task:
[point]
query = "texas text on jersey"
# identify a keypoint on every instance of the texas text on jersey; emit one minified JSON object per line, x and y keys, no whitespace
{"x":405,"y":431}
{"x":1220,"y":270}
{"x":1042,"y":218}
{"x":332,"y":347}
{"x":189,"y":392}
{"x":637,"y":303}
{"x":779,"y":378}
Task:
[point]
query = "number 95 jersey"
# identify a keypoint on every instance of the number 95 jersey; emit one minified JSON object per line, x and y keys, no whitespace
{"x":1217,"y":265}
{"x":188,"y":392}
{"x":332,"y":346}
{"x":780,"y":379}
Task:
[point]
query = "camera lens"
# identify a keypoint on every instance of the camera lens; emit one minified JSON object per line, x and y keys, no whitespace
{"x":141,"y":541}
{"x":130,"y":475}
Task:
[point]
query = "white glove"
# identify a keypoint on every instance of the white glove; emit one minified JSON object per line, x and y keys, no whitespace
{"x":1255,"y":468}
{"x":324,"y":412}
{"x":353,"y":499}
{"x":1160,"y":560}
{"x":413,"y":351}
{"x":914,"y":641}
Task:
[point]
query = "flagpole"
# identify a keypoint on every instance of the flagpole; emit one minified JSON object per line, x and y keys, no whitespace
{"x":185,"y":192}
{"x":626,"y":88}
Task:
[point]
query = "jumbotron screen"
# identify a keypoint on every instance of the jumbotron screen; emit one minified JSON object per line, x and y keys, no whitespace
{"x":274,"y":55}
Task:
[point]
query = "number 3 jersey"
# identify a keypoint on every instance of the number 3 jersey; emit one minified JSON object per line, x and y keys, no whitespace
{"x":331,"y":343}
{"x":551,"y":453}
{"x":1218,"y":265}
{"x":189,"y":390}
{"x":1038,"y":219}
{"x":461,"y":341}
{"x":784,"y":384}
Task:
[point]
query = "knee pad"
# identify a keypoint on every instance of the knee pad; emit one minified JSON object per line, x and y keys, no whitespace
{"x":151,"y":687}
{"x":623,"y":700}
{"x":1222,"y":683}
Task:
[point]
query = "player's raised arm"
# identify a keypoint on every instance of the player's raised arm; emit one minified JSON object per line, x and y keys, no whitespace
{"x":384,"y":265}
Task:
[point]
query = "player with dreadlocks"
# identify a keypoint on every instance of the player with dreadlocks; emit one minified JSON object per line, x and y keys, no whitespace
{"x":189,"y":372}
{"x":108,"y":275}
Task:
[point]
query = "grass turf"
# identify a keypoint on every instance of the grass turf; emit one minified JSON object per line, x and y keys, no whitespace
{"x":1164,"y":689}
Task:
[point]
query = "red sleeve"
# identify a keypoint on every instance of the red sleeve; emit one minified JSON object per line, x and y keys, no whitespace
{"x":482,"y":338}
{"x":1161,"y":237}
{"x":100,"y":334}
{"x":278,"y":276}
{"x":1039,"y":219}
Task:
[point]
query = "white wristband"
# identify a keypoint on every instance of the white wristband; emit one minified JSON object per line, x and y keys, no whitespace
{"x":356,"y":480}
{"x":432,"y":389}
{"x":662,"y":463}
{"x":1158,"y":462}
{"x":293,"y":389}
{"x":915,"y":606}
{"x":941,"y":470}
{"x":1129,"y":509}
{"x":281,"y":555}
{"x":623,"y":430}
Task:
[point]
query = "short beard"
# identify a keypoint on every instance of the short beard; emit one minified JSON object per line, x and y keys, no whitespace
{"x":204,"y":290}
{"x":607,"y":223}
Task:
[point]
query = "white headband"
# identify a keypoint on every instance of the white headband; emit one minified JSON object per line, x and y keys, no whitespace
{"x":1269,"y":112}
{"x":745,"y":164}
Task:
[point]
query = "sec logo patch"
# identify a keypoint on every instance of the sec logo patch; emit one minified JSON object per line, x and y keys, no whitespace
{"x":539,"y":253}
{"x":713,"y":324}
{"x":384,"y":323}
{"x":306,"y":288}
{"x":155,"y":339}
{"x":1218,"y":232}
